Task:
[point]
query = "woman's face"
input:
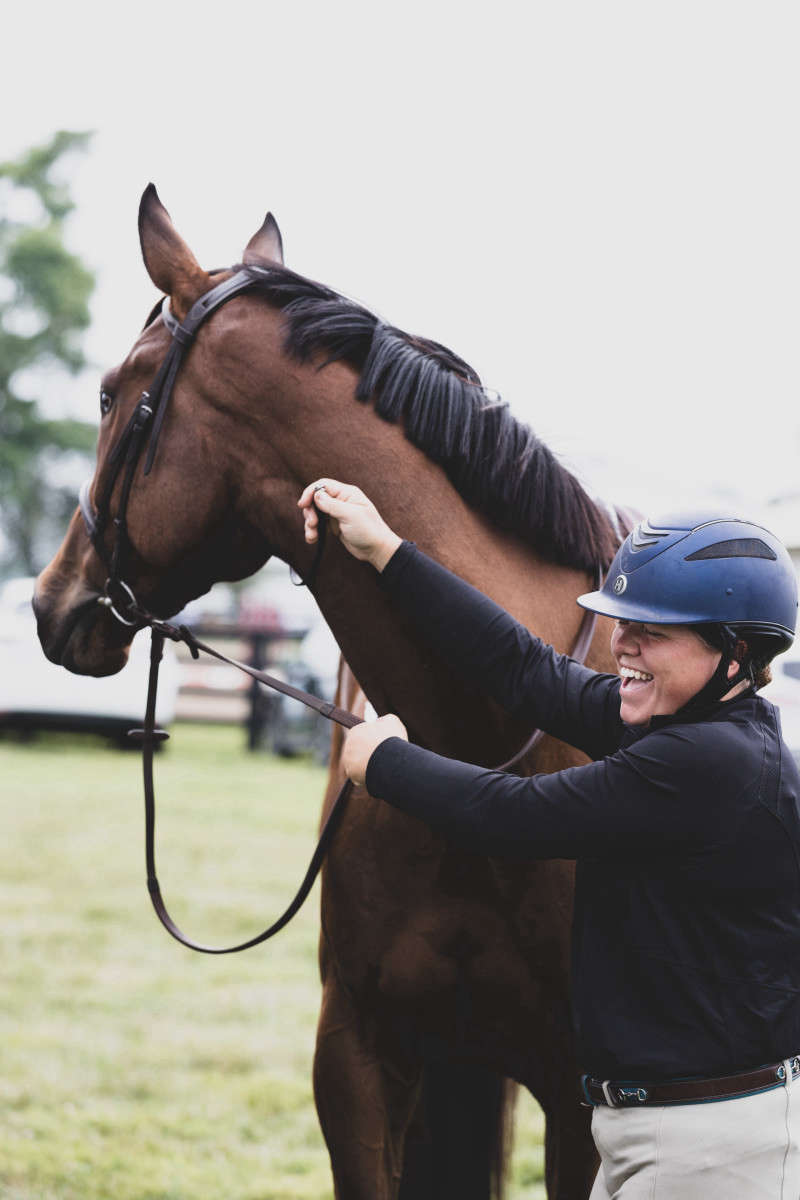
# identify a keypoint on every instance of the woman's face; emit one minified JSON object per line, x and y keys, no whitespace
{"x":662,"y":667}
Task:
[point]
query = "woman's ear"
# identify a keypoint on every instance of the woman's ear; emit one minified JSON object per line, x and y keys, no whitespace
{"x":740,"y":651}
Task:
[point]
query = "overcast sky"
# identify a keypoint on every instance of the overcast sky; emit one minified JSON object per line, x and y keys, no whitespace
{"x":596,"y":205}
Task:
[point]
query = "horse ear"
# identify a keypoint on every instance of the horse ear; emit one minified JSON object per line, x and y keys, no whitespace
{"x":169,"y":261}
{"x":267,"y":243}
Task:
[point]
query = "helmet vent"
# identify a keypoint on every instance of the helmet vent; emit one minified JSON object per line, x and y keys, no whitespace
{"x":646,"y":535}
{"x":734,"y":548}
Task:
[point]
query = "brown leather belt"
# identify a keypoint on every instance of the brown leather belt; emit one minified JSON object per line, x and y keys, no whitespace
{"x":631,"y":1094}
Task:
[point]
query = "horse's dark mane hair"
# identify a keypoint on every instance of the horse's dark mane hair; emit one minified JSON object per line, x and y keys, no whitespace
{"x":493,"y":460}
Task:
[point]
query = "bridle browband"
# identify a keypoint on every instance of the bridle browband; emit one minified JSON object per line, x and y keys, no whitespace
{"x":143,"y":431}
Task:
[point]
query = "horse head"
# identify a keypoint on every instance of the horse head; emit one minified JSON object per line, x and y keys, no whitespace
{"x":184,"y":528}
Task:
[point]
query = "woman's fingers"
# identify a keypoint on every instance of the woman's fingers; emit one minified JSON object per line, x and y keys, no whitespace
{"x":331,"y":497}
{"x":334,"y":506}
{"x":361,"y":741}
{"x":308,"y":493}
{"x":310,"y":519}
{"x":340,"y":491}
{"x":310,"y":524}
{"x":309,"y":501}
{"x":354,"y":519}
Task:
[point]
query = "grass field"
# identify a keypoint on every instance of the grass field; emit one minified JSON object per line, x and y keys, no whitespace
{"x":133,"y":1069}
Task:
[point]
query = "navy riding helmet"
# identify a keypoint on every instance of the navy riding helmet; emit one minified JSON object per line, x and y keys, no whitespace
{"x":698,"y":568}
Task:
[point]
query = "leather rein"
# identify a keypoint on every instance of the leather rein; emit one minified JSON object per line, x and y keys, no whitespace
{"x":142,"y":432}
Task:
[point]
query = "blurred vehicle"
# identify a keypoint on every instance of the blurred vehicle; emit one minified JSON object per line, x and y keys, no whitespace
{"x":785,"y":692}
{"x":290,"y":727}
{"x":36,"y":694}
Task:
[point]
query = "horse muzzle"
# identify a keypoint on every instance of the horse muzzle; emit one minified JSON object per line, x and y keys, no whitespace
{"x":76,"y":632}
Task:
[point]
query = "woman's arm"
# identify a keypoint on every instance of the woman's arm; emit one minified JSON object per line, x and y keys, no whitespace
{"x":673,"y":789}
{"x":484,"y":644}
{"x":476,"y":637}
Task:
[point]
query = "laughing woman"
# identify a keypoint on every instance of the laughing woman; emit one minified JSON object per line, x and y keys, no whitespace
{"x":685,"y":827}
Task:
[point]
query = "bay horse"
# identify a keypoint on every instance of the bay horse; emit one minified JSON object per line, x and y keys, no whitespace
{"x":443,"y":973}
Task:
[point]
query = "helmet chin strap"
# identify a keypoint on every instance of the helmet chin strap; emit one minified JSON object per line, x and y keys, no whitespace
{"x":720,"y":684}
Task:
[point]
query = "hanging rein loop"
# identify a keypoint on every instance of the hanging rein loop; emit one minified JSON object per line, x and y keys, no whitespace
{"x":150,"y":736}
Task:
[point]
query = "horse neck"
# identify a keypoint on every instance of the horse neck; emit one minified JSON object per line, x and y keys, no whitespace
{"x":314,"y":427}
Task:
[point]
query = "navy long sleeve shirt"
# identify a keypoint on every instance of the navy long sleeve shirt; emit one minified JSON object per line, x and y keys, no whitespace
{"x":686,"y":937}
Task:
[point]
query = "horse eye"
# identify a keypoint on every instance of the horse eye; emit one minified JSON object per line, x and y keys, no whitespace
{"x":106,"y":400}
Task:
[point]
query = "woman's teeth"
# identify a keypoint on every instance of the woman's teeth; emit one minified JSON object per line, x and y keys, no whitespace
{"x":629,"y":673}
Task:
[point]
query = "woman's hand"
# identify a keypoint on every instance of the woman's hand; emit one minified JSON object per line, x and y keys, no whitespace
{"x":354,"y":519}
{"x":360,"y":742}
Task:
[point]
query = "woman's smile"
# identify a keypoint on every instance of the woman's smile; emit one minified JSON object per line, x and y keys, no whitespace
{"x":661,"y":666}
{"x":629,"y":675}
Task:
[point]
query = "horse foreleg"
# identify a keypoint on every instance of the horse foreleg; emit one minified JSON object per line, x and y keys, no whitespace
{"x":570,"y":1155}
{"x":365,"y":1105}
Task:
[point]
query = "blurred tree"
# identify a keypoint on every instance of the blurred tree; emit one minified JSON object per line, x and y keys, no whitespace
{"x":44,"y":307}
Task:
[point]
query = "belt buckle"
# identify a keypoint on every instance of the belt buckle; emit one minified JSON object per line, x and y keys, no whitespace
{"x":618,"y":1096}
{"x":789,"y":1069}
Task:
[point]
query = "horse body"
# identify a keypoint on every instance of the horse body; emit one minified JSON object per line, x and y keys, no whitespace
{"x":433,"y":961}
{"x":429,"y":957}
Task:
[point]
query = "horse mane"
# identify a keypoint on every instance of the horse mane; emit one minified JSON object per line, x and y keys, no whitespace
{"x":494,"y":461}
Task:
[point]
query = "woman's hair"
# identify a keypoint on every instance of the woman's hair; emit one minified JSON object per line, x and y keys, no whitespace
{"x":752,"y":651}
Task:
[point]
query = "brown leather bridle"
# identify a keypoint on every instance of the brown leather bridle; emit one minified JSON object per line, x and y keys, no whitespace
{"x":143,"y":431}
